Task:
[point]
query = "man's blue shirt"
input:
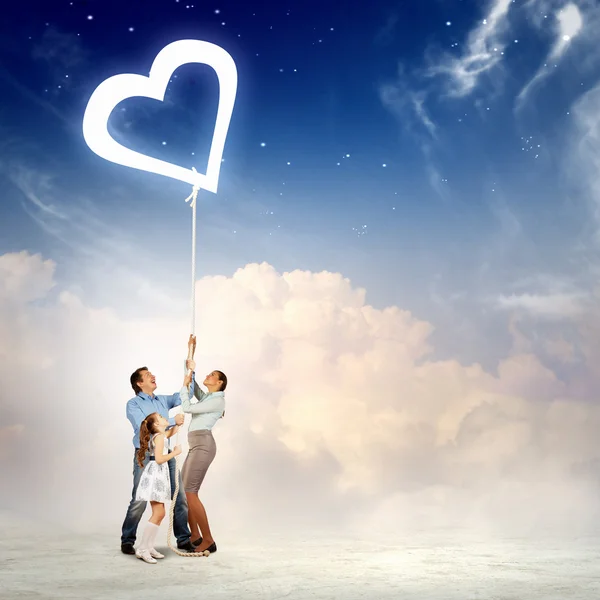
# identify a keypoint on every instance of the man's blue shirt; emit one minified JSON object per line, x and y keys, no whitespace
{"x":142,"y":405}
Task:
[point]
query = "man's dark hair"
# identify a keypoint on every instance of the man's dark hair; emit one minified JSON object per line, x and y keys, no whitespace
{"x":223,"y":379}
{"x":135,"y":378}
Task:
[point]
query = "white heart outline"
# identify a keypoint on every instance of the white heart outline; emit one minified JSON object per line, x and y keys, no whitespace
{"x":117,"y":88}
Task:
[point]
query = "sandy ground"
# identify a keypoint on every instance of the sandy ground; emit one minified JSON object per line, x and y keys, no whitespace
{"x":429,"y":565}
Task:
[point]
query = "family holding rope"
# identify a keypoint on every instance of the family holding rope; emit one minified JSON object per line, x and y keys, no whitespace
{"x":155,"y":468}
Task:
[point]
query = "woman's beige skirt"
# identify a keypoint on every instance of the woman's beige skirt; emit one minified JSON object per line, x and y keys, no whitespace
{"x":202,"y":452}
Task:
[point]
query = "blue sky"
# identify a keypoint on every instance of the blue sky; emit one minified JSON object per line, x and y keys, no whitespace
{"x":480,"y":197}
{"x":464,"y":379}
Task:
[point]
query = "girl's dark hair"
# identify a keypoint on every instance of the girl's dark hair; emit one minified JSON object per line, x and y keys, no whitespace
{"x":147,"y":428}
{"x":223,"y":379}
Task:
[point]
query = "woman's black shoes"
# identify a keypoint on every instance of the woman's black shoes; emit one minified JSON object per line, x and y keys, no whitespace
{"x":187,"y":547}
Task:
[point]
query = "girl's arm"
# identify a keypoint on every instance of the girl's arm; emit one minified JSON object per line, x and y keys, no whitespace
{"x":159,"y":445}
{"x":171,"y":432}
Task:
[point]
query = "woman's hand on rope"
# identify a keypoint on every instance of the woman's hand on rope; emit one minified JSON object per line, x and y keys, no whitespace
{"x":188,"y":377}
{"x":191,"y":345}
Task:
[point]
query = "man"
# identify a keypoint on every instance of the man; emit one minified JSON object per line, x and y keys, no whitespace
{"x":139,"y":407}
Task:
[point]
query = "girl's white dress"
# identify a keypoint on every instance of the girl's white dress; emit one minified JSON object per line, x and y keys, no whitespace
{"x":155,"y":482}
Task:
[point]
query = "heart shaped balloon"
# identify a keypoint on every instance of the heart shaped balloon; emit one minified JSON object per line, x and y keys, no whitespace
{"x":120,"y":87}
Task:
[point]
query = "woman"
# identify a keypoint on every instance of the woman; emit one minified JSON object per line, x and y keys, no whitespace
{"x":205,"y":413}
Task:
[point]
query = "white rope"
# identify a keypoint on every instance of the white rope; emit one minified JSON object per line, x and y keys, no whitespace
{"x":193,"y":197}
{"x":171,"y":514}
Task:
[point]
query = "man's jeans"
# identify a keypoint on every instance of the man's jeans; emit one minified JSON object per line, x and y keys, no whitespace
{"x":136,"y":508}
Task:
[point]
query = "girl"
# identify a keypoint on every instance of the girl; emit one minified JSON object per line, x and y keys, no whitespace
{"x":205,"y":411}
{"x":155,"y":482}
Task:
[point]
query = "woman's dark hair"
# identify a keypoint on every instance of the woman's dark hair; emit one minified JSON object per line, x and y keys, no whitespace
{"x":223,"y":380}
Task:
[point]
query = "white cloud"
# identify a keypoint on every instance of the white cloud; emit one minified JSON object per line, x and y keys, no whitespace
{"x":9,"y":437}
{"x":483,"y":51}
{"x":24,"y":278}
{"x":561,"y":349}
{"x":569,"y":23}
{"x":583,"y":164}
{"x":551,"y":305}
{"x":407,"y":105}
{"x":335,"y":409}
{"x":409,"y":108}
{"x":418,"y":103}
{"x":22,"y":178}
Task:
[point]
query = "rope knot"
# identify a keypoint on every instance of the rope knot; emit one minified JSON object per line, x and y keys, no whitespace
{"x":194,"y":195}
